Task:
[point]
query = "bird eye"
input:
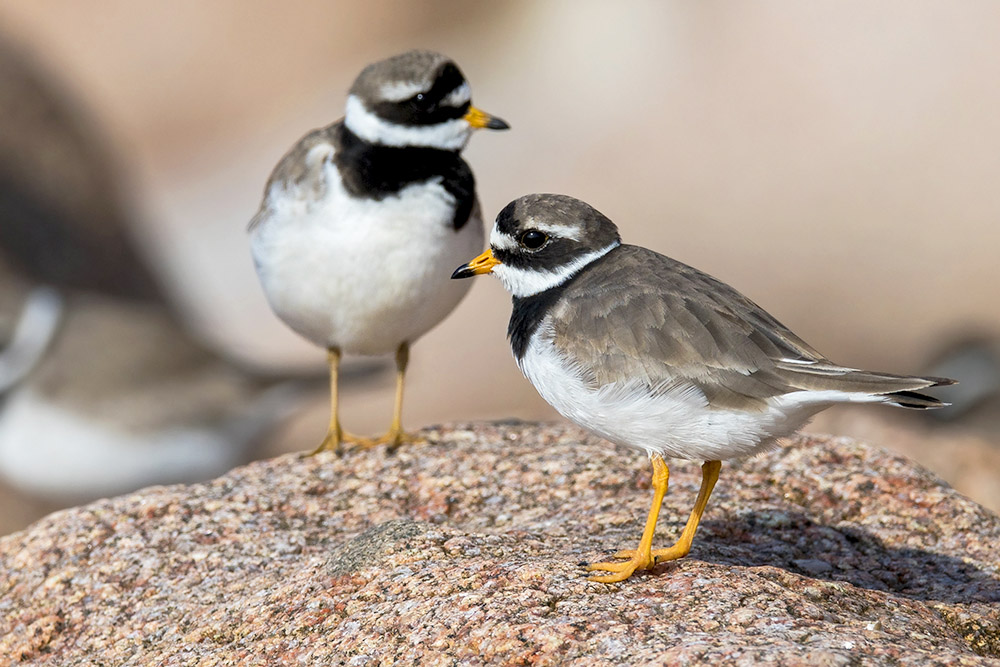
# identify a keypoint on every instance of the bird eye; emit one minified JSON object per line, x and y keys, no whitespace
{"x":422,"y":102}
{"x":533,"y":239}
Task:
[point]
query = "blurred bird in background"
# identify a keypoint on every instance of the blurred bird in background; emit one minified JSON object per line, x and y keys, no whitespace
{"x":102,"y":387}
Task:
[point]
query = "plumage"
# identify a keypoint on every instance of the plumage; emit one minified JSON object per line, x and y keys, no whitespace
{"x":362,"y":220}
{"x":638,"y":315}
{"x":654,"y":354}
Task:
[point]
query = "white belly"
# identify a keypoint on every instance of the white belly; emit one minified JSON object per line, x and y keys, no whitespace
{"x":364,"y":275}
{"x":676,"y":423}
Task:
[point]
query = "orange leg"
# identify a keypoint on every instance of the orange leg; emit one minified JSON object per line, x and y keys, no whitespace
{"x":709,"y":476}
{"x":641,"y":558}
{"x":644,"y":557}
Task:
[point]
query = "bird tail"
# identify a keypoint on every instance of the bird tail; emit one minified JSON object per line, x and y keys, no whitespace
{"x":917,"y":401}
{"x":902,"y":397}
{"x":901,"y":390}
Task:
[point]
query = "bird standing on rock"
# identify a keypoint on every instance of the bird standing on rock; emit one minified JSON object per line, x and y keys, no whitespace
{"x":363,"y":220}
{"x":653,"y":354}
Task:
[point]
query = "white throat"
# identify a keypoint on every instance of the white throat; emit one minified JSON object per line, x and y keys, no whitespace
{"x":450,"y":135}
{"x":524,"y":282}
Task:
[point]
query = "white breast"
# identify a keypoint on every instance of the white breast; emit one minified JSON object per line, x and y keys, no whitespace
{"x":362,"y":274}
{"x":675,"y":422}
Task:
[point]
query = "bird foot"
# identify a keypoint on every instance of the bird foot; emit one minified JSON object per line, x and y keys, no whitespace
{"x":658,"y":555}
{"x":621,"y":570}
{"x":394,"y":438}
{"x":334,"y":442}
{"x":634,"y":561}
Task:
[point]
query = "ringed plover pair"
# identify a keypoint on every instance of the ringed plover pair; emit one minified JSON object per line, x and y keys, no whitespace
{"x":362,"y":221}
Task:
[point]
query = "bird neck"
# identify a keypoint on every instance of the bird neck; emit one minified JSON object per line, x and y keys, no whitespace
{"x":374,"y":171}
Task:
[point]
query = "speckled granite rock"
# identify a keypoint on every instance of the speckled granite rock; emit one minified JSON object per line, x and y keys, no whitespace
{"x":466,"y":551}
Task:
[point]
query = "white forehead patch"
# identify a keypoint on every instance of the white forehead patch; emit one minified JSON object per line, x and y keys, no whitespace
{"x":459,"y":96}
{"x":397,"y":91}
{"x":523,"y":282}
{"x":451,"y":135}
{"x":500,"y":240}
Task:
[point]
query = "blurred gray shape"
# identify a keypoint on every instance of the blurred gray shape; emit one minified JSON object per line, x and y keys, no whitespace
{"x":64,"y":222}
{"x":973,"y":360}
{"x":123,"y":399}
{"x":102,"y":387}
{"x":35,"y":328}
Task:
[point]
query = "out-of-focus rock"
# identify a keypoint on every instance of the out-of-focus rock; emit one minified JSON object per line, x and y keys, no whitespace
{"x":966,"y":457}
{"x":825,"y":551}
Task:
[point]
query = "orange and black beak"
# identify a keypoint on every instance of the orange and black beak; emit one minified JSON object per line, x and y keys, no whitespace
{"x":479,"y":119}
{"x":477,"y":267}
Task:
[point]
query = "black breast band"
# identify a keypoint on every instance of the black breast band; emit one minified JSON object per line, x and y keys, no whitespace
{"x":375,"y":172}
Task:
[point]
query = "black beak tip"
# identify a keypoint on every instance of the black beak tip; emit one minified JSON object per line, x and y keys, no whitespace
{"x":497,"y":124}
{"x":461,"y":272}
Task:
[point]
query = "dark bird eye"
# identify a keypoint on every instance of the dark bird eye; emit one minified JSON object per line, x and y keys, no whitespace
{"x":422,"y":102}
{"x":533,"y":239}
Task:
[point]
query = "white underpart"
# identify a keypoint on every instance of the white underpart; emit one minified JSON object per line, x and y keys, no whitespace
{"x":675,"y":422}
{"x":522,"y":282}
{"x":450,"y":135}
{"x":361,"y":274}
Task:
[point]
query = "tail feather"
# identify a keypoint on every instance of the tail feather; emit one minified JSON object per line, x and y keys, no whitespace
{"x":898,"y":390}
{"x":916,"y":401}
{"x":822,"y":376}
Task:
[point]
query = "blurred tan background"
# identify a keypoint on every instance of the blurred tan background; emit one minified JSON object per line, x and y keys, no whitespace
{"x":837,"y":161}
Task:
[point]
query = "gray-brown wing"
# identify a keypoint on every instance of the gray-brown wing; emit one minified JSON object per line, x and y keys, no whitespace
{"x":642,"y":316}
{"x":300,"y":171}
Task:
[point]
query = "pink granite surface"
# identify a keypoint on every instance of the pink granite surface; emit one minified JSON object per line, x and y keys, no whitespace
{"x":466,"y":550}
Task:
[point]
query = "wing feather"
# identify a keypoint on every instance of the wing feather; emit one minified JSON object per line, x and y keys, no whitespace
{"x":300,"y":171}
{"x":678,"y":326}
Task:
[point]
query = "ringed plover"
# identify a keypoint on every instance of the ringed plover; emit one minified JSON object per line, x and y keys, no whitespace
{"x":653,"y":354}
{"x":363,"y":220}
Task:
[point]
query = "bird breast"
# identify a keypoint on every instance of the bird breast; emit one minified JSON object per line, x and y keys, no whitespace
{"x":358,"y":273}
